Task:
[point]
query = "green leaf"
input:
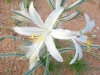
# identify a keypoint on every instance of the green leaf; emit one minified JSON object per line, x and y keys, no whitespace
{"x":32,"y":73}
{"x":25,"y":2}
{"x":63,"y":2}
{"x":16,"y":37}
{"x":11,"y":54}
{"x":66,"y":50}
{"x":98,"y":57}
{"x":1,"y":39}
{"x":27,"y":42}
{"x":47,"y":66}
{"x":51,"y":4}
{"x":23,"y":58}
{"x":69,"y":17}
{"x":74,"y":5}
{"x":34,"y":68}
{"x":6,"y":27}
{"x":92,"y":46}
{"x":83,"y":47}
{"x":25,"y":5}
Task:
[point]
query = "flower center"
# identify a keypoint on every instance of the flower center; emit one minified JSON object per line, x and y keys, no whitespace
{"x":39,"y":37}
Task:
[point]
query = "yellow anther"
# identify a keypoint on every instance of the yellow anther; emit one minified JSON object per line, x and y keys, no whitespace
{"x":41,"y":39}
{"x":88,"y":43}
{"x":34,"y":36}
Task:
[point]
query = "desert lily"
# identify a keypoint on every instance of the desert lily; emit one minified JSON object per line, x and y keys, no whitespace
{"x":42,"y":34}
{"x":80,"y":36}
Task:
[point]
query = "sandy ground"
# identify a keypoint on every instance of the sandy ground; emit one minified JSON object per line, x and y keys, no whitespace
{"x":17,"y":67}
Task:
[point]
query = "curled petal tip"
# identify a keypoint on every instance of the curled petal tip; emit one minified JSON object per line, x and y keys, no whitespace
{"x":61,"y":60}
{"x":71,"y":63}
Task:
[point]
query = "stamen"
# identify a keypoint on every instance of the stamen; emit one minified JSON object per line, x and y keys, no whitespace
{"x":88,"y":43}
{"x":41,"y":39}
{"x":33,"y":57}
{"x":34,"y":36}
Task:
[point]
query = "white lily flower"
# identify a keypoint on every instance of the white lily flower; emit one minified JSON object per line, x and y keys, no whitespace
{"x":43,"y":34}
{"x":82,"y":38}
{"x":68,"y":35}
{"x":58,"y":3}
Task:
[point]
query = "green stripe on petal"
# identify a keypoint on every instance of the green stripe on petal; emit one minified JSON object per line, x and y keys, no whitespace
{"x":69,"y":17}
{"x":22,"y":14}
{"x":21,"y":18}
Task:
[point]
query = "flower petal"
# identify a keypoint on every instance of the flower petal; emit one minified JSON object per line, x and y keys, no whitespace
{"x":52,"y":18}
{"x":87,"y":18}
{"x":22,"y":8}
{"x":21,"y":18}
{"x":89,"y":26}
{"x":52,"y":49}
{"x":35,"y":16}
{"x":28,"y":30}
{"x":33,"y":61}
{"x":58,"y":3}
{"x":63,"y":34}
{"x":78,"y":51}
{"x":35,"y":47}
{"x":22,"y":14}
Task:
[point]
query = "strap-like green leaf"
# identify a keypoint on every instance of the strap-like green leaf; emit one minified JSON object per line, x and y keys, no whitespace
{"x":16,"y":37}
{"x":91,"y":46}
{"x":1,"y":39}
{"x":34,"y":68}
{"x":73,"y":48}
{"x":32,"y":73}
{"x":25,"y":3}
{"x":74,"y":5}
{"x":51,"y":4}
{"x":5,"y":27}
{"x":63,"y":2}
{"x":17,"y":17}
{"x":11,"y":54}
{"x":69,"y":17}
{"x":47,"y":66}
